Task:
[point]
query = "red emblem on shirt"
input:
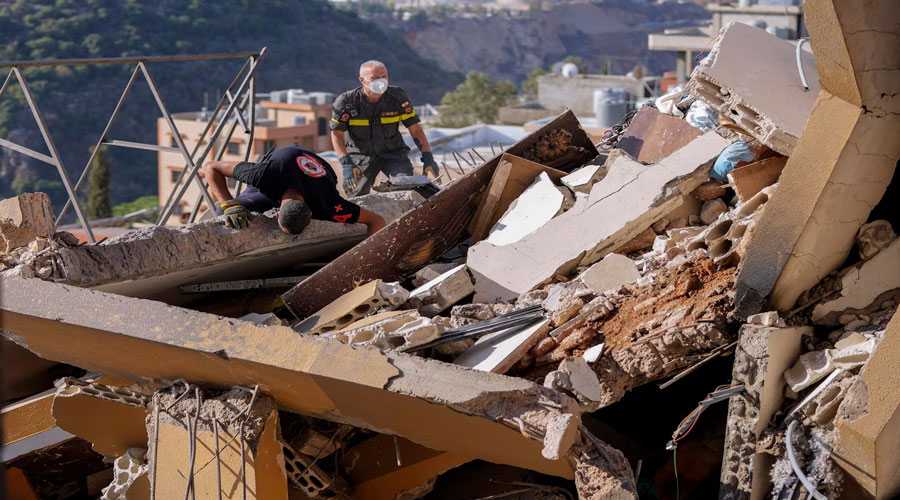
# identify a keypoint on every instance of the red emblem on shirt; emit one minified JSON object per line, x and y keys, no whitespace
{"x":345,"y":118}
{"x":310,"y":166}
{"x":406,"y":107}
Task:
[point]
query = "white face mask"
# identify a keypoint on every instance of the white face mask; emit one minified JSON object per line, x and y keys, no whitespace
{"x":378,"y":86}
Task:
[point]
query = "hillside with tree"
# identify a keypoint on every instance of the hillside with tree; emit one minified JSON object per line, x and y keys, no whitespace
{"x":311,"y":45}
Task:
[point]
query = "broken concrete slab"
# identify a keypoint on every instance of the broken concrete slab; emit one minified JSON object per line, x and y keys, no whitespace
{"x":753,"y":178}
{"x":652,"y":136}
{"x":418,"y":237}
{"x":842,"y":164}
{"x":873,"y":237}
{"x":111,"y":418}
{"x":610,"y":273}
{"x":393,"y":331}
{"x":540,"y":202}
{"x":862,"y":288}
{"x":443,"y":291}
{"x":153,"y":262}
{"x":498,"y":352}
{"x":763,"y":353}
{"x":444,"y":407}
{"x":575,"y":377}
{"x":626,"y":202}
{"x":24,"y":218}
{"x":358,"y":303}
{"x":867,"y":434}
{"x":431,"y":271}
{"x":513,"y":176}
{"x":581,"y":180}
{"x":722,"y":80}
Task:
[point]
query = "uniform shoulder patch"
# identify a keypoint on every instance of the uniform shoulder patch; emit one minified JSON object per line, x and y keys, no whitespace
{"x":345,"y":117}
{"x":407,"y":108}
{"x":309,"y":166}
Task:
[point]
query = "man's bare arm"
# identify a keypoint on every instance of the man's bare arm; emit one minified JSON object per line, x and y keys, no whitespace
{"x":338,"y":143}
{"x":216,"y":173}
{"x":373,"y":221}
{"x":418,"y":135}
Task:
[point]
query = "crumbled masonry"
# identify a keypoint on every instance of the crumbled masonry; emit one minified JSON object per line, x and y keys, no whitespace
{"x":536,"y":328}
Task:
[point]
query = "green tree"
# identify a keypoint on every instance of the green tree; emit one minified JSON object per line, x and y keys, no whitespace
{"x":98,"y":205}
{"x":530,"y":84}
{"x":477,"y":100}
{"x":141,"y":203}
{"x":577,"y":61}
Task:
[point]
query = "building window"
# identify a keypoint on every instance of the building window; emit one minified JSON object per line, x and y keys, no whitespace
{"x":175,"y":174}
{"x":234,"y":148}
{"x":323,"y":126}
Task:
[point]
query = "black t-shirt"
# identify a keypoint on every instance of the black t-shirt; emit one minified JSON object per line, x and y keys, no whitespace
{"x":374,"y":128}
{"x":295,"y":168}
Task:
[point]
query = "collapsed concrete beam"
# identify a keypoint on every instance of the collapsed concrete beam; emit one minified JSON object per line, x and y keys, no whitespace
{"x":843,"y":162}
{"x":737,"y":79}
{"x":627,"y":201}
{"x":866,"y":426}
{"x":152,"y":262}
{"x":437,"y":405}
{"x":762,"y":355}
{"x":418,"y":237}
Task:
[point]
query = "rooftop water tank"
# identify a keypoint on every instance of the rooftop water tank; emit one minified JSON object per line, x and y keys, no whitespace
{"x":610,"y":106}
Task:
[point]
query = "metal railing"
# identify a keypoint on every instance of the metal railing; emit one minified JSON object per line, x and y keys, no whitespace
{"x":237,"y":100}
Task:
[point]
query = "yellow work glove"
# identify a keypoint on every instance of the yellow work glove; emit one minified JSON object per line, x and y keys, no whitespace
{"x":236,"y":216}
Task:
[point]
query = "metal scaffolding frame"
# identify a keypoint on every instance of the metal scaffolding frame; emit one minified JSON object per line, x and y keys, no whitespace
{"x":237,"y":103}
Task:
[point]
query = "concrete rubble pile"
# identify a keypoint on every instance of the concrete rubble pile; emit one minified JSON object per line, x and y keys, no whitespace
{"x":508,"y":332}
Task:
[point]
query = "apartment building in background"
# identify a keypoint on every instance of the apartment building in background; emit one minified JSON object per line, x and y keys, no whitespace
{"x":283,"y":118}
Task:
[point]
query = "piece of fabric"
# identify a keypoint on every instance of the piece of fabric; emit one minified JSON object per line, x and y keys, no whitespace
{"x":729,"y":158}
{"x":303,"y":171}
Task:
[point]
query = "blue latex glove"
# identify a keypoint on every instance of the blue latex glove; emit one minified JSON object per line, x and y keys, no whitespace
{"x":729,"y":157}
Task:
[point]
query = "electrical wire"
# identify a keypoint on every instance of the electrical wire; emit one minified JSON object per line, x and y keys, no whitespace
{"x":800,"y":43}
{"x":675,"y":468}
{"x":792,"y":458}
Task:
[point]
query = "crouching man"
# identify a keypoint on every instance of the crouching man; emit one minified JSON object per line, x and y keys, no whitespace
{"x":300,"y":183}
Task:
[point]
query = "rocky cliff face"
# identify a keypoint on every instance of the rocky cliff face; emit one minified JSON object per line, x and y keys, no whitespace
{"x":509,"y":48}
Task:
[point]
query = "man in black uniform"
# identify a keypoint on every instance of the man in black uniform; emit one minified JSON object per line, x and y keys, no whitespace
{"x":372,"y":115}
{"x":297,"y":181}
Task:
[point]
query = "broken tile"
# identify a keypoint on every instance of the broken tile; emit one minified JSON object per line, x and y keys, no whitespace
{"x":510,"y":180}
{"x":610,"y":273}
{"x":593,"y":354}
{"x":721,"y":80}
{"x":442,"y":292}
{"x":626,"y":202}
{"x":750,"y":179}
{"x":863,"y":287}
{"x":581,"y":180}
{"x":874,"y":236}
{"x":539,"y":203}
{"x":359,"y":303}
{"x":498,"y":352}
{"x":652,"y":136}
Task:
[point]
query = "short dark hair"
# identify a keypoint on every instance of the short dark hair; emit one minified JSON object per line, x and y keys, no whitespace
{"x":294,"y":216}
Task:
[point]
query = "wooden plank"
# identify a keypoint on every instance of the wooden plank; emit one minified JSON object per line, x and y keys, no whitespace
{"x":511,"y":178}
{"x":418,"y":237}
{"x":754,"y":177}
{"x":498,"y":352}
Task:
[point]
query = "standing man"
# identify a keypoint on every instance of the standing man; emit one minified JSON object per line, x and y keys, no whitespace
{"x":297,"y":181}
{"x":372,"y":114}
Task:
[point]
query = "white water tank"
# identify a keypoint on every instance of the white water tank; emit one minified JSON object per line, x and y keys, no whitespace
{"x":610,"y":106}
{"x":569,"y":70}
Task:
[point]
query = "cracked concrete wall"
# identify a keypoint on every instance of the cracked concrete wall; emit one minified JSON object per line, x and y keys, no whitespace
{"x":762,"y":355}
{"x":441,"y":406}
{"x":843,"y":162}
{"x":150,"y":263}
